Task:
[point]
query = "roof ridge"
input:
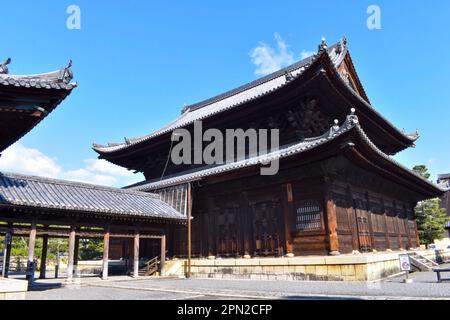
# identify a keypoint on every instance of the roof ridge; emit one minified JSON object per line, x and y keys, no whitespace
{"x":294,"y":66}
{"x":11,"y":175}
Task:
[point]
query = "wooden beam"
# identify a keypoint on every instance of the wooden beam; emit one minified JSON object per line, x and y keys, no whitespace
{"x":71,"y":254}
{"x":61,"y":233}
{"x":105,"y":254}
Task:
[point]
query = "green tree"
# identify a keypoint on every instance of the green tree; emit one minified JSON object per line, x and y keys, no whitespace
{"x":431,"y":220}
{"x":91,"y":249}
{"x":422,"y":170}
{"x":430,"y":217}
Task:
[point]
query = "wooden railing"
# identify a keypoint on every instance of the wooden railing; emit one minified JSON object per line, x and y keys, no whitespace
{"x":150,"y":267}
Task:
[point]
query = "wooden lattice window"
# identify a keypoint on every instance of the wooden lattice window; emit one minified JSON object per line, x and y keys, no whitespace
{"x":308,"y":216}
{"x":175,"y":196}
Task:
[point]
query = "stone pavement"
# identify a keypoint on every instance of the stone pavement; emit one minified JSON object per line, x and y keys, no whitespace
{"x":119,"y":288}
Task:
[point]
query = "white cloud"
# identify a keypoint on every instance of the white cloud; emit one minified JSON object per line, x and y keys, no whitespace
{"x":21,"y":159}
{"x":305,"y":54}
{"x":268,"y":60}
{"x":18,"y":158}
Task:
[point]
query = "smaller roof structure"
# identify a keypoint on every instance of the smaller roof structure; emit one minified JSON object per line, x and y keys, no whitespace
{"x":44,"y":193}
{"x":444,"y":176}
{"x":59,"y":79}
{"x":25,"y":100}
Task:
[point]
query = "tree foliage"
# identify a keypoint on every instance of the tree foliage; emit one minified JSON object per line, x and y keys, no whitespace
{"x":422,"y":170}
{"x":431,"y":220}
{"x":430,"y":217}
{"x":91,"y":249}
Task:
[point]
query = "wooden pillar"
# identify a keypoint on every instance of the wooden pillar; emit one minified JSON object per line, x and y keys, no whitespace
{"x":388,"y":241}
{"x":8,"y":250}
{"x":105,"y":254}
{"x":31,"y":245}
{"x":288,"y":199}
{"x":331,"y":222}
{"x":44,"y":257}
{"x":71,"y":253}
{"x":163,"y":255}
{"x":136,"y":254}
{"x":189,"y":214}
{"x":75,"y":256}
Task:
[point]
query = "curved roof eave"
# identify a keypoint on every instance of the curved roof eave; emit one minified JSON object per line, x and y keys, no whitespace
{"x":350,"y":125}
{"x":406,"y":139}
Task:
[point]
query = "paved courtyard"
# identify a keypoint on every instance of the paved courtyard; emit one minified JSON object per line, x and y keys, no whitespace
{"x":119,"y":288}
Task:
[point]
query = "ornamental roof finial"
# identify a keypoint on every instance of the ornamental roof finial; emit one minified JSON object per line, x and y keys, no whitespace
{"x":66,"y":74}
{"x":185,"y":108}
{"x":288,"y":75}
{"x":323,"y":45}
{"x":352,"y":118}
{"x":4,"y":66}
{"x":335,"y":128}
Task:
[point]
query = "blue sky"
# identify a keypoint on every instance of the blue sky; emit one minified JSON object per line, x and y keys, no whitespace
{"x":138,"y":62}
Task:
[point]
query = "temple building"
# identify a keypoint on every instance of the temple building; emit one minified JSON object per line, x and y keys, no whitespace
{"x":337,"y":191}
{"x":132,"y":224}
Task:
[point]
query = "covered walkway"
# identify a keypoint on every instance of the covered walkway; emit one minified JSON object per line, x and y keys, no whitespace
{"x":48,"y":208}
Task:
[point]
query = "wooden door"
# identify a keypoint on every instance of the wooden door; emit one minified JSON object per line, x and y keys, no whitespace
{"x":227,"y":231}
{"x":266,"y":241}
{"x":362,"y":223}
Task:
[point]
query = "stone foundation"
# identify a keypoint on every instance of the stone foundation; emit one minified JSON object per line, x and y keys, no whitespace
{"x":359,"y":267}
{"x":12,"y":289}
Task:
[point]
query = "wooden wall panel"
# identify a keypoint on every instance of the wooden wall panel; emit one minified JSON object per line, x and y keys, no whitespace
{"x":311,"y":244}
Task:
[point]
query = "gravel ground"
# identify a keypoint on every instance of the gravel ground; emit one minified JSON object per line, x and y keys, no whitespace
{"x":423,"y":287}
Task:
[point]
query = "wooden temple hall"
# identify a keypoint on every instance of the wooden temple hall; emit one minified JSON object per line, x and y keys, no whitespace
{"x":132,"y":224}
{"x":338,"y":189}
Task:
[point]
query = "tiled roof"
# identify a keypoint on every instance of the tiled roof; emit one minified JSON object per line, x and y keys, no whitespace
{"x":44,"y":193}
{"x":351,"y":123}
{"x":234,"y":98}
{"x":252,"y":91}
{"x":59,"y":80}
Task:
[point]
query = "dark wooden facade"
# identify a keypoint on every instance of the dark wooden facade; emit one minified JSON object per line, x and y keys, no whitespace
{"x":314,"y":214}
{"x":343,"y":193}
